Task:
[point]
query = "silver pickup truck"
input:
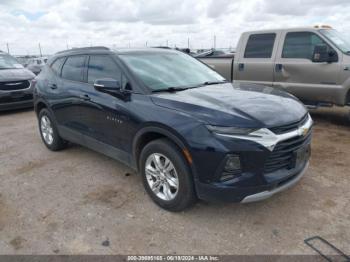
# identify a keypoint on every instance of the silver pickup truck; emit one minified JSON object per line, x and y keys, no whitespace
{"x":311,"y":63}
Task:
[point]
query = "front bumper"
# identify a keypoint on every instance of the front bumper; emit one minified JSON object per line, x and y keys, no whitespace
{"x":229,"y":193}
{"x":266,"y":194}
{"x":17,"y":105}
{"x":17,"y":99}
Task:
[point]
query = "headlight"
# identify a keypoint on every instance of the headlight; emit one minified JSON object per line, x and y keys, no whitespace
{"x":230,"y":130}
{"x":261,"y":136}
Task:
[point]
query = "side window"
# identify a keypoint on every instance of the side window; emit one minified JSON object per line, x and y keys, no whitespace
{"x":56,"y":66}
{"x":260,"y":46}
{"x":101,"y":66}
{"x":72,"y":68}
{"x":301,"y":45}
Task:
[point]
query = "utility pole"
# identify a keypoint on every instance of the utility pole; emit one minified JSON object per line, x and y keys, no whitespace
{"x":146,"y":44}
{"x":40,"y":50}
{"x":188,"y":42}
{"x":167,"y":42}
{"x":214,"y":41}
{"x":8,"y":49}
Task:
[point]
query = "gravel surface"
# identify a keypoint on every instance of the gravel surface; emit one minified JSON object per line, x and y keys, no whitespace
{"x":80,"y":202}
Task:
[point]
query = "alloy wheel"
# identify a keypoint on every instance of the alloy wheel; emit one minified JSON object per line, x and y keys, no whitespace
{"x":162,"y":177}
{"x":46,"y":129}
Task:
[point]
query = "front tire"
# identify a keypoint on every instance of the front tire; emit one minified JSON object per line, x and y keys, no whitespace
{"x":166,"y":176}
{"x":48,"y":131}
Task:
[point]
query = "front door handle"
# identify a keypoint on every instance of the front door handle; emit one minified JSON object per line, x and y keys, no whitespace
{"x":85,"y":97}
{"x":241,"y":67}
{"x":278,"y":67}
{"x":53,"y":86}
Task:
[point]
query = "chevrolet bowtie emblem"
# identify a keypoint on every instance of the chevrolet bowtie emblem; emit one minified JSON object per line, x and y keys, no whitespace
{"x":303,"y":131}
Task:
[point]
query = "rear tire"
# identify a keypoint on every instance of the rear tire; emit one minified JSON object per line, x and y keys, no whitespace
{"x":166,"y":176}
{"x":48,"y":131}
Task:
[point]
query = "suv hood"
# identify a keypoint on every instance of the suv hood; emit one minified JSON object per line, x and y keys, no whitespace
{"x":245,"y":105}
{"x":15,"y":74}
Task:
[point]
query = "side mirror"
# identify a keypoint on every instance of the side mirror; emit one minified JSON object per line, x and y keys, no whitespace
{"x":332,"y":56}
{"x":108,"y":85}
{"x":322,"y":55}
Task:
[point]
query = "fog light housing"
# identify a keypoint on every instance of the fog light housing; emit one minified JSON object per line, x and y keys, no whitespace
{"x":233,"y":163}
{"x":232,"y":168}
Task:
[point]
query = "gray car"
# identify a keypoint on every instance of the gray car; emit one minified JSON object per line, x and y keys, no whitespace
{"x":36,"y":64}
{"x":16,"y":89}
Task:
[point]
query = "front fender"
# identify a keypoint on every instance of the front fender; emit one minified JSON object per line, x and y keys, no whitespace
{"x":164,"y":131}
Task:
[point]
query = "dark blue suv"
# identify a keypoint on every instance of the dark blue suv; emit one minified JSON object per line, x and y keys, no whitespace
{"x":189,"y":132}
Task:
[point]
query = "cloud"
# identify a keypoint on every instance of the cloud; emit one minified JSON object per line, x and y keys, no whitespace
{"x":122,"y":23}
{"x":217,"y":8}
{"x":171,"y":12}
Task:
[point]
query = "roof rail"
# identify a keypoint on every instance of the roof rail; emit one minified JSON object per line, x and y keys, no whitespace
{"x":84,"y":48}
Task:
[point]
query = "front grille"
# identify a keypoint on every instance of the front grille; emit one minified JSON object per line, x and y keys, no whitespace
{"x":289,"y":127}
{"x":283,"y":156}
{"x":14,"y":85}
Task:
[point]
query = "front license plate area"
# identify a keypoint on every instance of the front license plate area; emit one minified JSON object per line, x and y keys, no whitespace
{"x":16,"y":95}
{"x":302,"y":155}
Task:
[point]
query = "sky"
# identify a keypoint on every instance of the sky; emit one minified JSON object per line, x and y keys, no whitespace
{"x":62,"y":24}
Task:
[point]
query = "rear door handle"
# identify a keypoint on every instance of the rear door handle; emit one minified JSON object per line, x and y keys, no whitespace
{"x":85,"y":97}
{"x":278,"y":67}
{"x":241,"y":67}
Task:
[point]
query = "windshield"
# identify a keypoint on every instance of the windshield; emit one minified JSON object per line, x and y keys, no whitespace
{"x":336,"y":38}
{"x":161,"y":71}
{"x":9,"y":62}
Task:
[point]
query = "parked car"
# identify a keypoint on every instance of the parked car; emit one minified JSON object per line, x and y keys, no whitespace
{"x":36,"y":64}
{"x":188,"y":132}
{"x":310,"y":63}
{"x":15,"y":84}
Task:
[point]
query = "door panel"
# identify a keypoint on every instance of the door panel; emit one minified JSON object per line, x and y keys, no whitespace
{"x":103,"y":115}
{"x":107,"y":118}
{"x":67,"y":89}
{"x":297,"y":74}
{"x":256,"y":61}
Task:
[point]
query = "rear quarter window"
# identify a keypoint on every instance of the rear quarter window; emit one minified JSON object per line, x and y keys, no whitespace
{"x":57,"y":64}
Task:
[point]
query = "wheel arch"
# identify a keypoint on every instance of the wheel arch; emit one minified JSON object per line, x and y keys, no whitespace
{"x":150,"y":133}
{"x":39,"y":105}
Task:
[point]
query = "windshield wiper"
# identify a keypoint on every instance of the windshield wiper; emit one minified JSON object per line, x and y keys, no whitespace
{"x":170,"y":89}
{"x":208,"y":83}
{"x":4,"y":68}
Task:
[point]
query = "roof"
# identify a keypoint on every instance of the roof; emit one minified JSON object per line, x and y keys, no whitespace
{"x":83,"y":50}
{"x":310,"y":28}
{"x":87,"y":50}
{"x":143,"y":50}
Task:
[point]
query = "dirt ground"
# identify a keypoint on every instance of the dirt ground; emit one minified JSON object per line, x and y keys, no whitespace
{"x":80,"y":202}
